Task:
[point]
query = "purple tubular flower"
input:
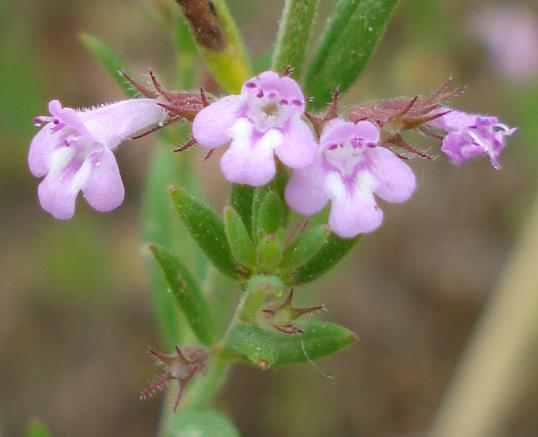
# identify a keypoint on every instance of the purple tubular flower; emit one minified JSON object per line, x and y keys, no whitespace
{"x":263,"y":120}
{"x":472,"y":135}
{"x":74,"y":152}
{"x":348,"y":170}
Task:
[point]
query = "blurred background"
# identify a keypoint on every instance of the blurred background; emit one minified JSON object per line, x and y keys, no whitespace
{"x":75,"y":313}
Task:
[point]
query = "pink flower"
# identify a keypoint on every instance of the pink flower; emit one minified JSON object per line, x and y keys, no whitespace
{"x":263,"y":120}
{"x":349,"y":169}
{"x":74,"y":152}
{"x":472,"y":135}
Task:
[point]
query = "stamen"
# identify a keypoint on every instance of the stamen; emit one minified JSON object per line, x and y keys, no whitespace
{"x":250,"y":85}
{"x":260,"y":94}
{"x":297,"y":102}
{"x":284,"y":102}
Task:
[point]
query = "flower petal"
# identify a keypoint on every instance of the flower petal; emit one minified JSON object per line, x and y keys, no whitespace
{"x":42,"y":146}
{"x":458,"y":148}
{"x":285,"y":86}
{"x":67,"y":116}
{"x":356,"y":214}
{"x":395,"y":180}
{"x":336,"y":130}
{"x":103,"y":189}
{"x":211,"y":126}
{"x":249,"y":160}
{"x":298,"y":148}
{"x":305,"y":191}
{"x":58,"y":191}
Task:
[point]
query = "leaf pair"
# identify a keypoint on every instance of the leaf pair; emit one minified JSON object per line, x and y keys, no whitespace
{"x":268,"y":348}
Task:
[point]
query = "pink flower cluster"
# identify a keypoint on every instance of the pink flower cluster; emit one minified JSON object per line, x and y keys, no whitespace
{"x":342,"y":162}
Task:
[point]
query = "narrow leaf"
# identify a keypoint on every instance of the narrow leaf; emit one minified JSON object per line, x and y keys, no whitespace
{"x":353,"y":33}
{"x":298,"y":17}
{"x":325,"y":259}
{"x":160,"y":225}
{"x":269,"y":252}
{"x":186,"y":293}
{"x":305,"y":247}
{"x":241,"y":197}
{"x":257,"y":198}
{"x":112,"y":63}
{"x":239,"y":239}
{"x":267,"y":348}
{"x":199,"y":423}
{"x":271,"y":213}
{"x":207,"y":229}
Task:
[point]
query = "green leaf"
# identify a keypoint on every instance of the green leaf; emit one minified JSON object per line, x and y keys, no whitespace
{"x":160,"y":225}
{"x":207,"y":229}
{"x":36,"y":428}
{"x":112,"y":63}
{"x":257,"y":198}
{"x":353,"y":33}
{"x":303,"y":248}
{"x":269,"y":252}
{"x":238,"y":237}
{"x":197,"y":423}
{"x":241,"y":197}
{"x":294,"y":33}
{"x":325,"y":259}
{"x":187,"y":294}
{"x":267,"y":348}
{"x":271,"y":213}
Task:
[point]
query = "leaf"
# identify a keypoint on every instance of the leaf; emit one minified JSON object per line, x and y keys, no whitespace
{"x":241,"y":197}
{"x":36,"y":428}
{"x":198,"y":423}
{"x":207,"y":229}
{"x":269,"y":252}
{"x":267,"y":348}
{"x":298,"y":17}
{"x":304,"y":247}
{"x":353,"y":33}
{"x":238,"y":238}
{"x":271,"y":213}
{"x":186,"y":293}
{"x":160,"y":225}
{"x":112,"y":63}
{"x":257,"y":198}
{"x":327,"y":257}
